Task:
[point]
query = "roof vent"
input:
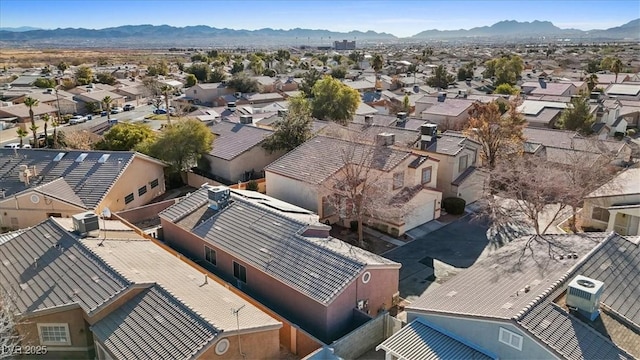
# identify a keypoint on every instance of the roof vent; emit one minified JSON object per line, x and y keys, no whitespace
{"x":368,"y":119}
{"x":583,"y":294}
{"x":442,"y":96}
{"x":218,"y":197}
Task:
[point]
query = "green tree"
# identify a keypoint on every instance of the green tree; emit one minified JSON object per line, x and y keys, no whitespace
{"x":182,"y":144}
{"x":243,"y":83}
{"x":125,"y":137}
{"x":217,"y":76}
{"x":498,"y":134}
{"x":605,"y":64}
{"x":593,"y":66}
{"x":308,"y":81}
{"x":30,"y":103}
{"x":339,"y":72}
{"x":191,"y":80}
{"x":106,"y":78}
{"x":84,"y":75}
{"x":62,"y":66}
{"x":46,"y":118}
{"x":44,"y":83}
{"x":506,"y":89}
{"x":377,"y":62}
{"x":592,"y":81}
{"x":212,"y":53}
{"x":441,"y":78}
{"x":356,"y":57}
{"x":92,"y":107}
{"x":160,"y":68}
{"x":466,"y":72}
{"x":506,"y":69}
{"x":333,"y":100}
{"x":577,"y":116}
{"x":166,"y":90}
{"x":323,"y":58}
{"x":257,"y":66}
{"x":107,"y":101}
{"x":237,"y":67}
{"x":22,"y":133}
{"x":202,"y":72}
{"x":294,"y":128}
{"x":616,"y":67}
{"x":282,"y":55}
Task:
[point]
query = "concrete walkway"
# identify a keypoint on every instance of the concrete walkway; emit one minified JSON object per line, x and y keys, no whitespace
{"x":381,"y":236}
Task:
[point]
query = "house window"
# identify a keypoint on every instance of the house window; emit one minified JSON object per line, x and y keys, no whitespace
{"x":142,"y":190}
{"x":462,"y":164}
{"x":600,"y":214}
{"x":54,"y":334}
{"x":426,"y":175}
{"x":58,"y":215}
{"x":210,"y":255}
{"x":154,"y":183}
{"x":398,"y":180}
{"x":128,"y":198}
{"x":239,"y":272}
{"x":510,"y":338}
{"x":195,"y":91}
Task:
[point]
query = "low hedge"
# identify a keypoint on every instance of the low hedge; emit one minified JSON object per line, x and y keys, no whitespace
{"x":454,"y":205}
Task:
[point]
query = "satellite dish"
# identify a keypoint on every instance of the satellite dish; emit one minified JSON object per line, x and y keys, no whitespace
{"x":106,"y":213}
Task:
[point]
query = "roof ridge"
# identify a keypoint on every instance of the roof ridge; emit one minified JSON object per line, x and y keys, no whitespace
{"x":538,"y":299}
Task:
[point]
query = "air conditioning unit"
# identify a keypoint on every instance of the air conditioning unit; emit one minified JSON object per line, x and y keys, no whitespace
{"x":219,"y":197}
{"x":583,"y":295}
{"x":85,"y":222}
{"x":246,"y":119}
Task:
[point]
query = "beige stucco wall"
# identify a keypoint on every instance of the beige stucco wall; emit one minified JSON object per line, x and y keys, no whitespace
{"x":292,"y":191}
{"x":603,"y":202}
{"x":27,"y":213}
{"x":233,"y":170}
{"x":258,"y":345}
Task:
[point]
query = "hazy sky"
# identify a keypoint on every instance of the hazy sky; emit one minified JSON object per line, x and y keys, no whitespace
{"x":401,"y":17}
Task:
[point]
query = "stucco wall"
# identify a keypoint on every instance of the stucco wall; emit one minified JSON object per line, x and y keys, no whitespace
{"x":259,"y":345}
{"x":603,"y":202}
{"x":28,"y":213}
{"x":292,"y":191}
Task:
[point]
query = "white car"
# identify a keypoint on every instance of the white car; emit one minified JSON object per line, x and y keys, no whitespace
{"x":116,"y":110}
{"x":77,"y":119}
{"x":17,"y":146}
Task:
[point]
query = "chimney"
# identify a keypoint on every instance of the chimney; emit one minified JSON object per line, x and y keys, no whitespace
{"x":442,"y":96}
{"x":24,"y":174}
{"x":368,"y":120}
{"x":231,"y":106}
{"x":219,"y":197}
{"x":34,"y":171}
{"x":385,"y":139}
{"x":542,"y":82}
{"x":462,"y":94}
{"x":583,"y":296}
{"x":428,"y":135}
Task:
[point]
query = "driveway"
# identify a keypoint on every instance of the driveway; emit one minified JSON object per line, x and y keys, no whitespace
{"x":458,"y":244}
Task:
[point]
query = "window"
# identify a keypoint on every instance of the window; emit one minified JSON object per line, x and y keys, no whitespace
{"x":142,"y":190}
{"x":239,"y":272}
{"x":462,"y":164}
{"x":58,"y":215}
{"x":398,"y":180}
{"x":210,"y":255}
{"x":154,"y":183}
{"x":426,"y":175}
{"x":54,"y":334}
{"x":600,"y":214}
{"x":510,"y":338}
{"x":128,"y":198}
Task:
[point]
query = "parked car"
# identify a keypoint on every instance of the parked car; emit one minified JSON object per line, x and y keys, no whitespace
{"x":116,"y":110}
{"x":128,"y":107}
{"x":16,"y":146}
{"x":159,"y":111}
{"x":77,"y":119}
{"x":112,"y":121}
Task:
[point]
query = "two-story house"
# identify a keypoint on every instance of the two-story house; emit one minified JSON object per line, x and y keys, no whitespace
{"x":566,"y":297}
{"x":306,"y":175}
{"x":283,"y":257}
{"x":206,"y":93}
{"x":36,"y":183}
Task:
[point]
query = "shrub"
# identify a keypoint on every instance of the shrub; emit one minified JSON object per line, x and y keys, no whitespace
{"x":454,"y":205}
{"x":353,"y":225}
{"x":631,"y":132}
{"x":252,"y":185}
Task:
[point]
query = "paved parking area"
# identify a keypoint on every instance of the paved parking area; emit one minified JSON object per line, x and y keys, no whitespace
{"x":458,"y":244}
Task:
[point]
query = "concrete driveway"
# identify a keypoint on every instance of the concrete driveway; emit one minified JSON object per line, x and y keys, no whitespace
{"x":458,"y":244}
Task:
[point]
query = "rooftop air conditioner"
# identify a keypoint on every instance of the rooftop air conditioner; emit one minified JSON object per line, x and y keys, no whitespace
{"x":85,"y":222}
{"x":583,"y":294}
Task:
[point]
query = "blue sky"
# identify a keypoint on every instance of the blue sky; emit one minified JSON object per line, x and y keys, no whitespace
{"x":401,"y":18}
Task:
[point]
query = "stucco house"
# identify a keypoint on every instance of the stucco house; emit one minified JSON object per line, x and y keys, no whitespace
{"x":206,"y":93}
{"x":97,"y":96}
{"x":305,"y":176}
{"x":121,"y":296}
{"x":615,"y":206}
{"x":283,"y":257}
{"x":448,"y":113}
{"x":36,"y":184}
{"x":566,"y":297}
{"x":237,"y":153}
{"x":19,"y":114}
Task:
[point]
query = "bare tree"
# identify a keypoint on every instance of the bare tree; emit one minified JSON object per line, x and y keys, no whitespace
{"x":80,"y":140}
{"x":9,"y":320}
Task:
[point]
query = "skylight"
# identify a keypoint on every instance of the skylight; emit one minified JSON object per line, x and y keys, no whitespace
{"x":59,"y":156}
{"x":81,"y":157}
{"x":103,"y":159}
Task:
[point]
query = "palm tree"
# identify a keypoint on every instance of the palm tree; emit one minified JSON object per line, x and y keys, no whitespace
{"x":616,"y":67}
{"x":55,"y":124}
{"x":46,"y":119}
{"x":107,"y":101}
{"x":21,"y":134}
{"x":30,"y":103}
{"x":592,"y":81}
{"x":165,"y":91}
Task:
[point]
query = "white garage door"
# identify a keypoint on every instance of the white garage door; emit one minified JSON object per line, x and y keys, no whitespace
{"x":420,"y":215}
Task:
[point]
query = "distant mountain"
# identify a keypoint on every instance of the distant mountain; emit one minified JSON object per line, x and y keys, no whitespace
{"x":522,"y":30}
{"x":19,"y":29}
{"x":199,"y":35}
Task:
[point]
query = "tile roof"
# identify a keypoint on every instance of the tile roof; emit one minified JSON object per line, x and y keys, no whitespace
{"x":154,"y":325}
{"x":64,"y":272}
{"x":233,"y":139}
{"x":465,"y":174}
{"x":625,"y":183}
{"x":60,"y":189}
{"x":319,"y":157}
{"x":449,"y":143}
{"x":449,"y":107}
{"x":624,"y":89}
{"x":89,"y":179}
{"x":143,"y":261}
{"x":22,"y":111}
{"x":420,"y":341}
{"x":271,"y":242}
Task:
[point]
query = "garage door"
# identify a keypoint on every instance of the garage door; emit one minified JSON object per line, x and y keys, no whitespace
{"x":420,"y":215}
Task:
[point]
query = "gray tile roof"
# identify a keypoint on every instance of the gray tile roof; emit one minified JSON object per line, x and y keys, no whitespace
{"x":154,"y":325}
{"x":419,"y":341}
{"x":449,"y":143}
{"x":320,"y":157}
{"x":625,"y":183}
{"x":449,"y":107}
{"x":64,"y":273}
{"x":89,"y":179}
{"x":60,"y":189}
{"x":233,"y":139}
{"x":271,"y":243}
